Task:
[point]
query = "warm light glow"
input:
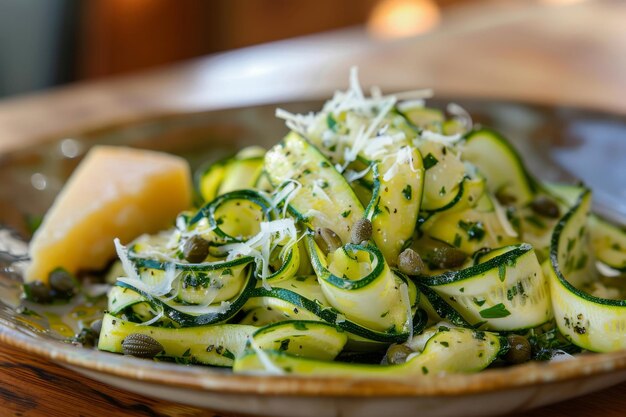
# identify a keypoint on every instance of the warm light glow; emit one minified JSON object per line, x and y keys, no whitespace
{"x":403,"y":18}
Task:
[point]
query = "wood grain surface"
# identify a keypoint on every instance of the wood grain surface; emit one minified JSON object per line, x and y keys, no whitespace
{"x":567,"y":55}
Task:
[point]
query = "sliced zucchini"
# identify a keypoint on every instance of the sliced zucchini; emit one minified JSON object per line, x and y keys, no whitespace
{"x":500,"y":164}
{"x":438,"y":309}
{"x":120,"y":298}
{"x":309,"y":339}
{"x":506,"y":292}
{"x":470,"y":230}
{"x":130,"y":305}
{"x":209,"y":345}
{"x":186,"y":315}
{"x":608,"y":242}
{"x":234,"y":217}
{"x":363,"y":191}
{"x":301,"y":298}
{"x":325,"y":198}
{"x":593,"y":323}
{"x":566,"y":194}
{"x":357,"y":281}
{"x":395,"y":203}
{"x":444,"y":173}
{"x":239,"y":172}
{"x":451,"y":351}
{"x":209,"y":178}
{"x":203,"y":283}
{"x":263,"y":183}
{"x":424,"y":117}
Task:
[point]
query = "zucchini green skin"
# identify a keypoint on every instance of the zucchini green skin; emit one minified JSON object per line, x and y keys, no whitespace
{"x":395,"y":204}
{"x":593,"y":323}
{"x":452,"y":351}
{"x":506,"y":292}
{"x":186,"y":315}
{"x":438,"y":309}
{"x":120,"y":298}
{"x":218,"y":223}
{"x":566,"y":194}
{"x":500,"y":163}
{"x":309,"y":339}
{"x":371,"y":300}
{"x":209,"y":345}
{"x":288,"y":304}
{"x":324,"y":191}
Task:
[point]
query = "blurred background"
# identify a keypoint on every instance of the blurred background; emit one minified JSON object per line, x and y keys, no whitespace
{"x":44,"y":43}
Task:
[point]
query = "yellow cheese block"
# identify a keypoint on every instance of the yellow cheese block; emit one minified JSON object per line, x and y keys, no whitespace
{"x":114,"y":192}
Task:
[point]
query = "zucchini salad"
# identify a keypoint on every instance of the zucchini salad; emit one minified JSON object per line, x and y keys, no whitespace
{"x":378,"y":238}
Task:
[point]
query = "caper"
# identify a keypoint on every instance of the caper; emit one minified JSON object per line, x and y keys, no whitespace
{"x":519,"y":349}
{"x":546,"y":207}
{"x":327,"y":240}
{"x":397,"y":354}
{"x":361,"y":231}
{"x":96,"y":326}
{"x":62,"y":282}
{"x":443,"y":257}
{"x":410,"y":263}
{"x":196,"y":249}
{"x":141,"y":345}
{"x":86,"y":337}
{"x":38,"y":292}
{"x":505,"y":199}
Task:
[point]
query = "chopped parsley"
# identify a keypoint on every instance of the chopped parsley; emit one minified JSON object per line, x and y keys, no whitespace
{"x":474,"y":230}
{"x":429,"y":161}
{"x":496,"y":312}
{"x":407,"y":192}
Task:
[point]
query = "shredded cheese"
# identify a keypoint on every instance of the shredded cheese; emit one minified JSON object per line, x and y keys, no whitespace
{"x":439,"y":138}
{"x":403,"y":156}
{"x":319,"y":191}
{"x":297,"y":122}
{"x":351,"y":175}
{"x":504,"y":221}
{"x":204,"y":309}
{"x":127,"y":265}
{"x":461,"y":115}
{"x":411,"y":104}
{"x":154,"y":319}
{"x":270,"y":367}
{"x":261,"y":245}
{"x":285,"y":193}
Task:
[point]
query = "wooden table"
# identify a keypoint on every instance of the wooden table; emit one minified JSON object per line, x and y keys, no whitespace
{"x":571,"y":54}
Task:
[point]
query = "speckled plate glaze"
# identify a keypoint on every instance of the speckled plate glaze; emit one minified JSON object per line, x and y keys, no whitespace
{"x":558,"y":144}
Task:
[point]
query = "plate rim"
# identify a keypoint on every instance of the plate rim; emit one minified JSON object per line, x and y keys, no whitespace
{"x":220,"y":380}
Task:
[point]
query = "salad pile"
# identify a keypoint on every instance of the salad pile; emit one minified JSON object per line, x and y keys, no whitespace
{"x":379,"y":237}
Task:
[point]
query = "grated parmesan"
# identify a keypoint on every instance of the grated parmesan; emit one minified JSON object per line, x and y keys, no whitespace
{"x":440,"y":138}
{"x":461,"y":115}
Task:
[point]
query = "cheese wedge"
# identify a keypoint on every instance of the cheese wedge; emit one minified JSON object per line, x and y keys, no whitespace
{"x":114,"y":192}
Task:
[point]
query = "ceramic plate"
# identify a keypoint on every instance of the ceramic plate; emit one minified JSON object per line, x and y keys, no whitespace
{"x":558,"y":144}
